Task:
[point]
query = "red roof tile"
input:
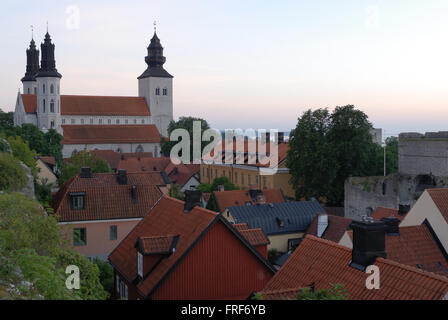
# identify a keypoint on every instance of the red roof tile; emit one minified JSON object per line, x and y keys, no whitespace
{"x":325,"y":262}
{"x":256,"y":237}
{"x":106,"y":199}
{"x":157,"y":245}
{"x":231,"y":198}
{"x":383,"y":212}
{"x":94,"y":134}
{"x":48,"y":160}
{"x":166,"y":218}
{"x":30,"y":103}
{"x":113,"y":158}
{"x":94,"y":105}
{"x":440,"y":198}
{"x":335,"y":229}
{"x":241,"y":226}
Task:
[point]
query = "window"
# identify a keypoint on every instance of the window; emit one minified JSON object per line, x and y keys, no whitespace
{"x":158,"y":92}
{"x":135,"y":121}
{"x":117,"y":283}
{"x":91,"y":121}
{"x":78,"y":201}
{"x":52,"y":124}
{"x":140,"y":264}
{"x":58,"y":89}
{"x":52,"y":89}
{"x":139,"y":148}
{"x":242,"y":178}
{"x":35,"y":90}
{"x":100,"y":121}
{"x":126,"y":121}
{"x":156,"y":152}
{"x":117,"y":121}
{"x":43,"y":88}
{"x":223,"y":173}
{"x":249,"y":178}
{"x":216,"y":173}
{"x":59,"y":110}
{"x":79,"y":237}
{"x":248,"y":203}
{"x":264,"y":182}
{"x":208,"y":172}
{"x":82,"y":121}
{"x":51,"y":106}
{"x":280,"y":222}
{"x":143,"y":121}
{"x":63,"y":121}
{"x":113,"y":232}
{"x":73,"y":121}
{"x":109,"y":121}
{"x":44,"y":105}
{"x":28,"y":90}
{"x":256,"y":180}
{"x":165,"y":92}
{"x":236,"y":178}
{"x":123,"y":290}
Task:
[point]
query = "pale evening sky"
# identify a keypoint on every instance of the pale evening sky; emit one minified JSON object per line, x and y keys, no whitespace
{"x":242,"y":64}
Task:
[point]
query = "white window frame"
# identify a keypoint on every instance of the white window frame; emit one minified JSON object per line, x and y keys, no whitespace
{"x":140,"y":264}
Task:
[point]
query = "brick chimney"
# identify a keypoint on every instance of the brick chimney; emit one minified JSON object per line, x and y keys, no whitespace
{"x":122,"y":177}
{"x":192,"y":199}
{"x":368,"y":242}
{"x":86,"y":173}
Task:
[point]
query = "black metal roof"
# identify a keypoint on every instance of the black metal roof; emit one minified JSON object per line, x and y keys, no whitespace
{"x":155,"y":60}
{"x":32,"y":62}
{"x":48,"y":63}
{"x":278,"y":218}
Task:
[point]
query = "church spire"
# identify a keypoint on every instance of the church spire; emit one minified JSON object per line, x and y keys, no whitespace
{"x":32,"y":61}
{"x":48,"y":63}
{"x":155,"y":59}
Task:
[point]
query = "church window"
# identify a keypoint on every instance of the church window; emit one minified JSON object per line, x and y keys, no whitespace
{"x":156,"y":152}
{"x":139,"y":148}
{"x":51,"y":106}
{"x":143,"y":121}
{"x":63,"y":121}
{"x":28,"y":90}
{"x":58,"y":107}
{"x":119,"y":150}
{"x":91,"y":121}
{"x":44,"y":105}
{"x":158,"y":92}
{"x":135,"y":121}
{"x":118,"y":121}
{"x":126,"y":121}
{"x":58,"y":89}
{"x":43,"y":88}
{"x":51,"y":89}
{"x":109,"y":121}
{"x":35,"y":90}
{"x":100,"y":121}
{"x":52,"y":124}
{"x":82,"y":121}
{"x":165,"y":91}
{"x":73,"y":121}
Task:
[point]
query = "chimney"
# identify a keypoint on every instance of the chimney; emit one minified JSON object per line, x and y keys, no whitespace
{"x":134,"y":194}
{"x":403,"y":209}
{"x":86,"y":173}
{"x":392,"y":226}
{"x":368,"y":242}
{"x":261,"y":199}
{"x":322,"y":224}
{"x":122,"y":177}
{"x":221,"y":187}
{"x":192,"y":199}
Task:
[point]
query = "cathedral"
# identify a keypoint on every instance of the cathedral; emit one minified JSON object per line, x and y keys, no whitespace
{"x":122,"y":124}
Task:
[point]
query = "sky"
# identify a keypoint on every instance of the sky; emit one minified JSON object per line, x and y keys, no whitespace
{"x":248,"y":64}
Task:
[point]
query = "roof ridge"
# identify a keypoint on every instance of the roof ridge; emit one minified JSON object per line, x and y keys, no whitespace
{"x":96,"y":96}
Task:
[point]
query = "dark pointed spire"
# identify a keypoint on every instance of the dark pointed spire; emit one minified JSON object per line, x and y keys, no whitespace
{"x":155,"y":60}
{"x":32,"y":62}
{"x":48,"y":63}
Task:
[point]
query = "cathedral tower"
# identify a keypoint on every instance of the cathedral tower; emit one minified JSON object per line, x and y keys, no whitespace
{"x":32,"y":68}
{"x":156,"y":85}
{"x":48,"y":89}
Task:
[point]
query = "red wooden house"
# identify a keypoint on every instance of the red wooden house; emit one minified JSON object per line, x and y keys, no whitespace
{"x":180,"y":251}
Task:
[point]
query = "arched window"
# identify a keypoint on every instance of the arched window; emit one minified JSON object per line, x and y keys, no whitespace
{"x":63,"y":121}
{"x":139,"y":148}
{"x":109,"y":121}
{"x":52,"y":124}
{"x":82,"y":121}
{"x":156,"y":152}
{"x":35,"y":90}
{"x":73,"y":121}
{"x":51,"y":106}
{"x":118,"y":121}
{"x":44,"y":105}
{"x":43,"y":88}
{"x":135,"y":121}
{"x":91,"y":121}
{"x":126,"y":121}
{"x":100,"y":121}
{"x":158,"y":92}
{"x":51,"y":89}
{"x":28,"y":90}
{"x":143,"y":121}
{"x":119,"y":150}
{"x":165,"y":91}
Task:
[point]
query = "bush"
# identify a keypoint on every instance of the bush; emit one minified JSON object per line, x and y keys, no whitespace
{"x":12,"y":175}
{"x":106,"y":275}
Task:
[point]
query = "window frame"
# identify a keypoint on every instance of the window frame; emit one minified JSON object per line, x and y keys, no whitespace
{"x":113,"y":232}
{"x":79,"y":242}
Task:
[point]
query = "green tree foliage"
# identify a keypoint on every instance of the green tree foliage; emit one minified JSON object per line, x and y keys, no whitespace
{"x":82,"y":159}
{"x":325,"y":149}
{"x":6,"y":119}
{"x":106,"y":275}
{"x":221,"y":181}
{"x":12,"y":175}
{"x":391,"y":157}
{"x":21,"y":151}
{"x":187,"y":124}
{"x":34,"y":255}
{"x":336,"y":292}
{"x":175,"y":192}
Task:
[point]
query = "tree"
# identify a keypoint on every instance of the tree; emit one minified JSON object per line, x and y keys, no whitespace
{"x":391,"y":157}
{"x":175,"y":192}
{"x":326,"y":149}
{"x":82,"y":159}
{"x":21,"y":151}
{"x":336,"y":292}
{"x":221,"y":181}
{"x":12,"y":175}
{"x":6,"y":119}
{"x":34,"y":255}
{"x":187,"y":124}
{"x":106,"y":275}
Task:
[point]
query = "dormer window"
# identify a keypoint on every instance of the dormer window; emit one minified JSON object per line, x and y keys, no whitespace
{"x":280,"y":222}
{"x":78,"y":201}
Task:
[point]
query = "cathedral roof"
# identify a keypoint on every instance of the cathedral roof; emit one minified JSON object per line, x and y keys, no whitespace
{"x":101,"y":134}
{"x":94,"y":105}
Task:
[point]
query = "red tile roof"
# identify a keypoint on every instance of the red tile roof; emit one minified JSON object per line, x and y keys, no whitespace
{"x":325,"y":262}
{"x":383,"y":212}
{"x":335,"y":229}
{"x":440,"y":198}
{"x":113,"y":158}
{"x":241,"y":226}
{"x":416,"y":246}
{"x":231,"y":198}
{"x":94,"y":134}
{"x":106,"y":199}
{"x":157,"y":245}
{"x":48,"y":160}
{"x":166,"y":218}
{"x":30,"y":103}
{"x":94,"y":105}
{"x":256,"y":237}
